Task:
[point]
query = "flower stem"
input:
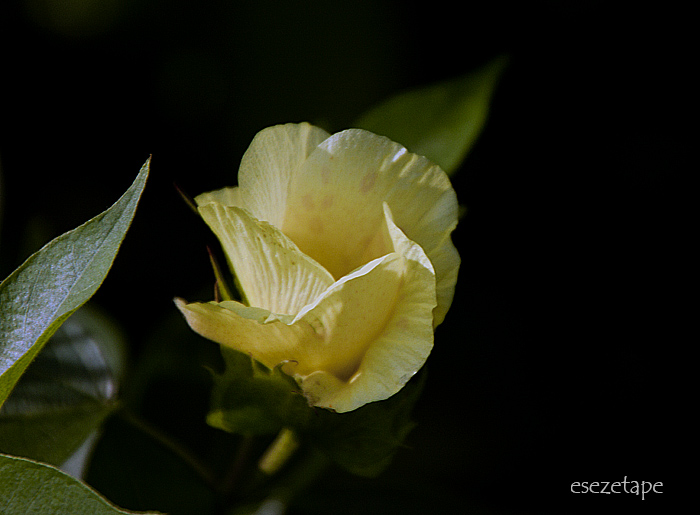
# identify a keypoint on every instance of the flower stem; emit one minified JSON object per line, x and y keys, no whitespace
{"x":170,"y":443}
{"x":279,"y":452}
{"x":230,"y":484}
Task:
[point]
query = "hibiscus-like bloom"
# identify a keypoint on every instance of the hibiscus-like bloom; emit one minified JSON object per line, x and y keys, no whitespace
{"x":341,"y":247}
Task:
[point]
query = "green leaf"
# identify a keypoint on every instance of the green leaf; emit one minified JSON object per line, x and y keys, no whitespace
{"x":441,"y":121}
{"x":55,"y":281}
{"x":32,"y":488}
{"x":66,"y":392}
{"x":249,"y":398}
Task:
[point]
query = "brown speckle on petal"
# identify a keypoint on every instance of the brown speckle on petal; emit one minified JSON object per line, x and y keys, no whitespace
{"x":316,"y":224}
{"x":402,"y":323}
{"x":327,"y":202}
{"x":326,"y":174}
{"x":368,"y":182}
{"x":308,"y":202}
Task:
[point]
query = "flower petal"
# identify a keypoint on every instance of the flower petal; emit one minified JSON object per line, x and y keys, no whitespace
{"x":334,"y":206}
{"x":331,"y":335}
{"x":270,"y":269}
{"x":268,"y":338}
{"x":225,"y":196}
{"x":360,"y":342}
{"x":273,"y":156}
{"x":402,"y":345}
{"x":350,"y":315}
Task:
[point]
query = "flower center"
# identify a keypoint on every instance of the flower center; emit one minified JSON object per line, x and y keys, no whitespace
{"x":338,"y":236}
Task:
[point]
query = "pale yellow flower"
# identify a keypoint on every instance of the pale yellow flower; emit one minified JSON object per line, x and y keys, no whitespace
{"x":341,"y":246}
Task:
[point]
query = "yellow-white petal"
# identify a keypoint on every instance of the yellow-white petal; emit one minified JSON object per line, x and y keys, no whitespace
{"x":266,"y":167}
{"x":334,"y":206}
{"x":310,"y":210}
{"x":268,"y":338}
{"x":360,"y":342}
{"x":273,"y":273}
{"x":402,"y":345}
{"x":331,"y":336}
{"x":226,"y":196}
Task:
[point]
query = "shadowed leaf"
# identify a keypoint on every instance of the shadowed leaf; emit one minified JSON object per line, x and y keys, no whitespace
{"x":66,"y":392}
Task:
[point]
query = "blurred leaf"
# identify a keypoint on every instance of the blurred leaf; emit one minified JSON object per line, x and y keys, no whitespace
{"x":66,"y":392}
{"x":441,"y":121}
{"x":55,"y":281}
{"x":133,"y":467}
{"x":32,"y":488}
{"x":249,"y":398}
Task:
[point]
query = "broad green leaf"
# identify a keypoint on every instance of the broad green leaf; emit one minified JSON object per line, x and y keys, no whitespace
{"x":441,"y":121}
{"x":66,"y":392}
{"x":32,"y":488}
{"x":55,"y":281}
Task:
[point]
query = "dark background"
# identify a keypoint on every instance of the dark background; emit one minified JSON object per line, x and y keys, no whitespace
{"x":554,"y":364}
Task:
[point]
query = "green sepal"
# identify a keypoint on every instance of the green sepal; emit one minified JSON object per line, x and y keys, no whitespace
{"x":249,"y":398}
{"x":223,"y":292}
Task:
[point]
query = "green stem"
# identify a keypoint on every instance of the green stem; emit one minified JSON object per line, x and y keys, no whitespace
{"x":231,"y":483}
{"x":170,"y":443}
{"x":279,"y":452}
{"x":303,"y":472}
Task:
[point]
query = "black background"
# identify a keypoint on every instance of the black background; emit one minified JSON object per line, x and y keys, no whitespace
{"x":557,"y":362}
